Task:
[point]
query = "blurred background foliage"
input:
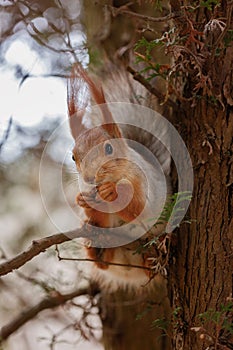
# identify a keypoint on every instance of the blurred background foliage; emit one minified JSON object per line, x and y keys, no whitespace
{"x":39,"y":40}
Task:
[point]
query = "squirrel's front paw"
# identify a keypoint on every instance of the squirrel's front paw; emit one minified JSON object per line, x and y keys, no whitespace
{"x":107,"y":191}
{"x":86,"y":199}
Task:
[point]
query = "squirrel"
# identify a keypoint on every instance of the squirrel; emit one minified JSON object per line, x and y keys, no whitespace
{"x":126,"y":185}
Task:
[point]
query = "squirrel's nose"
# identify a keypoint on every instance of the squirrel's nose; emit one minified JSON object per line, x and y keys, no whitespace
{"x":89,"y":179}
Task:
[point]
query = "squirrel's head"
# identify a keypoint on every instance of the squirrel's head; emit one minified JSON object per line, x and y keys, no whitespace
{"x":98,"y":156}
{"x":100,"y":152}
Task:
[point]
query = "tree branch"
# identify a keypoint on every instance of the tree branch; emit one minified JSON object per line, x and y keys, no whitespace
{"x":53,"y":300}
{"x":153,"y":90}
{"x":6,"y":134}
{"x":123,"y":10}
{"x":35,"y":249}
{"x":95,"y":235}
{"x":107,"y":263}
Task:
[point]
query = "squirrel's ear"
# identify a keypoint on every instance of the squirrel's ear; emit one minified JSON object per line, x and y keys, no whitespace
{"x":85,"y":82}
{"x":78,"y":97}
{"x":113,"y":130}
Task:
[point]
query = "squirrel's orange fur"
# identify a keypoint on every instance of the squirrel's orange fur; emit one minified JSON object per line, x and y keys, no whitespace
{"x":110,"y":175}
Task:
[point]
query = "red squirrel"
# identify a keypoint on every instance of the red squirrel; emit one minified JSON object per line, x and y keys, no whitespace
{"x":122,"y":180}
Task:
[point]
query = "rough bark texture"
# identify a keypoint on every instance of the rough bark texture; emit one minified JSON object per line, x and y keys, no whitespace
{"x":202,"y":271}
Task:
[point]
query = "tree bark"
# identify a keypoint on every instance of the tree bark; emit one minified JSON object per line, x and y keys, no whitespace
{"x":202,"y":273}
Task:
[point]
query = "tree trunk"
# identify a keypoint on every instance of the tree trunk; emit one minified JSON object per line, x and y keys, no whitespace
{"x":202,"y":272}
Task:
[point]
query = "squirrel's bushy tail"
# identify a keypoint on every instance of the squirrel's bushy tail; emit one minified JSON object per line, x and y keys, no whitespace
{"x":119,"y":86}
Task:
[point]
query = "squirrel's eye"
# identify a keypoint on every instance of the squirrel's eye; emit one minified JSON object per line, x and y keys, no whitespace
{"x":73,"y":158}
{"x":108,"y":149}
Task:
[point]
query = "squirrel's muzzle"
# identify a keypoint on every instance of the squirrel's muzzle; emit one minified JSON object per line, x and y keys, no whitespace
{"x":89,"y":179}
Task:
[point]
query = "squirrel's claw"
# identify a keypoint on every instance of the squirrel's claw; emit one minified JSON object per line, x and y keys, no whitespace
{"x":85,"y":199}
{"x":107,"y":192}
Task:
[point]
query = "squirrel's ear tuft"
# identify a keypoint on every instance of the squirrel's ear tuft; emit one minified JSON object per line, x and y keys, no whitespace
{"x":79,"y":92}
{"x":78,"y":97}
{"x":113,"y":130}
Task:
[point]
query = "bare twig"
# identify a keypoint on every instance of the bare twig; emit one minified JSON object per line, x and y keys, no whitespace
{"x":95,"y":236}
{"x":35,"y":249}
{"x":162,"y":98}
{"x":6,"y":134}
{"x":32,"y":76}
{"x":53,"y":300}
{"x":117,"y":11}
{"x":43,"y":285}
{"x":104,"y":262}
{"x":43,"y":43}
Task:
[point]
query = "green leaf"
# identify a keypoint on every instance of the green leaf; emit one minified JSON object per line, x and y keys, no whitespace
{"x":209,"y":4}
{"x":160,"y":323}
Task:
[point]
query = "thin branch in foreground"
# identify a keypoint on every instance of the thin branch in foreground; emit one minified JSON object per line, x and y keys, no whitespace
{"x":153,"y":90}
{"x":35,"y":249}
{"x":109,"y":263}
{"x":95,"y":235}
{"x":53,"y":300}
